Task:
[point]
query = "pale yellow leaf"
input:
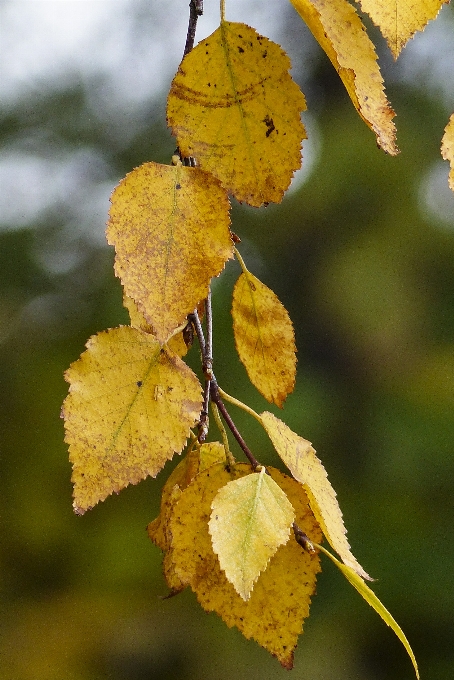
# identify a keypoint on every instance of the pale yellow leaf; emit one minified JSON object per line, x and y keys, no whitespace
{"x":299,"y":456}
{"x":264,"y":338}
{"x":399,"y":20}
{"x":447,"y":149}
{"x":234,"y":107}
{"x":170,"y":229}
{"x":251,"y":518}
{"x":274,"y":613}
{"x":341,"y":34}
{"x":130,"y":407}
{"x":370,"y":597}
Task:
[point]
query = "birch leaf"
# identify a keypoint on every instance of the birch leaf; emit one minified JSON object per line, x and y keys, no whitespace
{"x":251,"y":518}
{"x":399,"y":20}
{"x":130,"y":407}
{"x":299,"y":456}
{"x":264,"y":338}
{"x":370,"y":597}
{"x":234,"y":107}
{"x":176,"y":342}
{"x":195,"y":461}
{"x":447,"y":149}
{"x":341,"y":34}
{"x":274,"y":613}
{"x":170,"y":229}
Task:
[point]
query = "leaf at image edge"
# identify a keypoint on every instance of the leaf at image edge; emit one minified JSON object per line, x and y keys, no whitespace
{"x":370,"y":597}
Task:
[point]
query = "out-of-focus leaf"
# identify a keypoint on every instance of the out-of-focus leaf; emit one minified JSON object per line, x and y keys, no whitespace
{"x":341,"y":33}
{"x":170,"y":229}
{"x":370,"y":597}
{"x":235,"y":108}
{"x":251,"y":518}
{"x":130,"y":407}
{"x":399,"y":20}
{"x":279,"y":603}
{"x":264,"y":338}
{"x":447,"y":148}
{"x":299,"y":456}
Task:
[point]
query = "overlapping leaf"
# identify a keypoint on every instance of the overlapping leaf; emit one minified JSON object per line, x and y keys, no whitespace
{"x":447,"y":148}
{"x":279,"y":603}
{"x":264,"y":338}
{"x":235,"y":108}
{"x":176,"y":342}
{"x":299,"y":456}
{"x":370,"y":597}
{"x":170,"y":229}
{"x":399,"y":20}
{"x":196,"y":460}
{"x":130,"y":407}
{"x":251,"y":518}
{"x":341,"y":34}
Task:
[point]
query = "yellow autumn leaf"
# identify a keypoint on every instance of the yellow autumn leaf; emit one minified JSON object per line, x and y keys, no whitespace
{"x":447,"y":149}
{"x":274,"y":613}
{"x":170,"y":229}
{"x":130,"y":407}
{"x":176,"y":342}
{"x":299,"y":456}
{"x":234,"y":107}
{"x":251,"y":518}
{"x":195,"y":461}
{"x":370,"y":597}
{"x":264,"y":338}
{"x":341,"y":34}
{"x":399,"y":20}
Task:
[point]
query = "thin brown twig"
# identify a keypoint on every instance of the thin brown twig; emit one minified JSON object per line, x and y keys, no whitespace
{"x":195,"y":11}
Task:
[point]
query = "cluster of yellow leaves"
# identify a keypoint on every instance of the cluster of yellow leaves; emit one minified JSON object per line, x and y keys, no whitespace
{"x":227,"y":530}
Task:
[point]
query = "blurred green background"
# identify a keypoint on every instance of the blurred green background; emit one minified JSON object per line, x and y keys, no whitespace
{"x":361,"y":252}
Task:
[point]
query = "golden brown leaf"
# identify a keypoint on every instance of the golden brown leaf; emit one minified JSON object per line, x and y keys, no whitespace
{"x":130,"y":407}
{"x":195,"y":461}
{"x":176,"y":342}
{"x":399,"y":20}
{"x":279,"y":603}
{"x":170,"y":229}
{"x":235,"y":108}
{"x":447,"y":149}
{"x":264,"y":338}
{"x":299,"y":456}
{"x":341,"y":34}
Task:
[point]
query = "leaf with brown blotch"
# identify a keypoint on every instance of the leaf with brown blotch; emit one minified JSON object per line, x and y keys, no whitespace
{"x":274,"y":613}
{"x":447,"y":149}
{"x":195,"y":461}
{"x":251,"y":518}
{"x":398,"y":20}
{"x":341,"y":34}
{"x":130,"y":408}
{"x":234,"y":107}
{"x":264,"y":338}
{"x":299,"y":456}
{"x":170,"y":229}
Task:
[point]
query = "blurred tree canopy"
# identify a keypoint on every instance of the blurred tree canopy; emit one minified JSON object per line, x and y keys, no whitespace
{"x":361,"y":252}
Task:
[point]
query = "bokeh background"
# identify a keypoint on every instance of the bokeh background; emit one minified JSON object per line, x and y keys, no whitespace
{"x":361,"y":252}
